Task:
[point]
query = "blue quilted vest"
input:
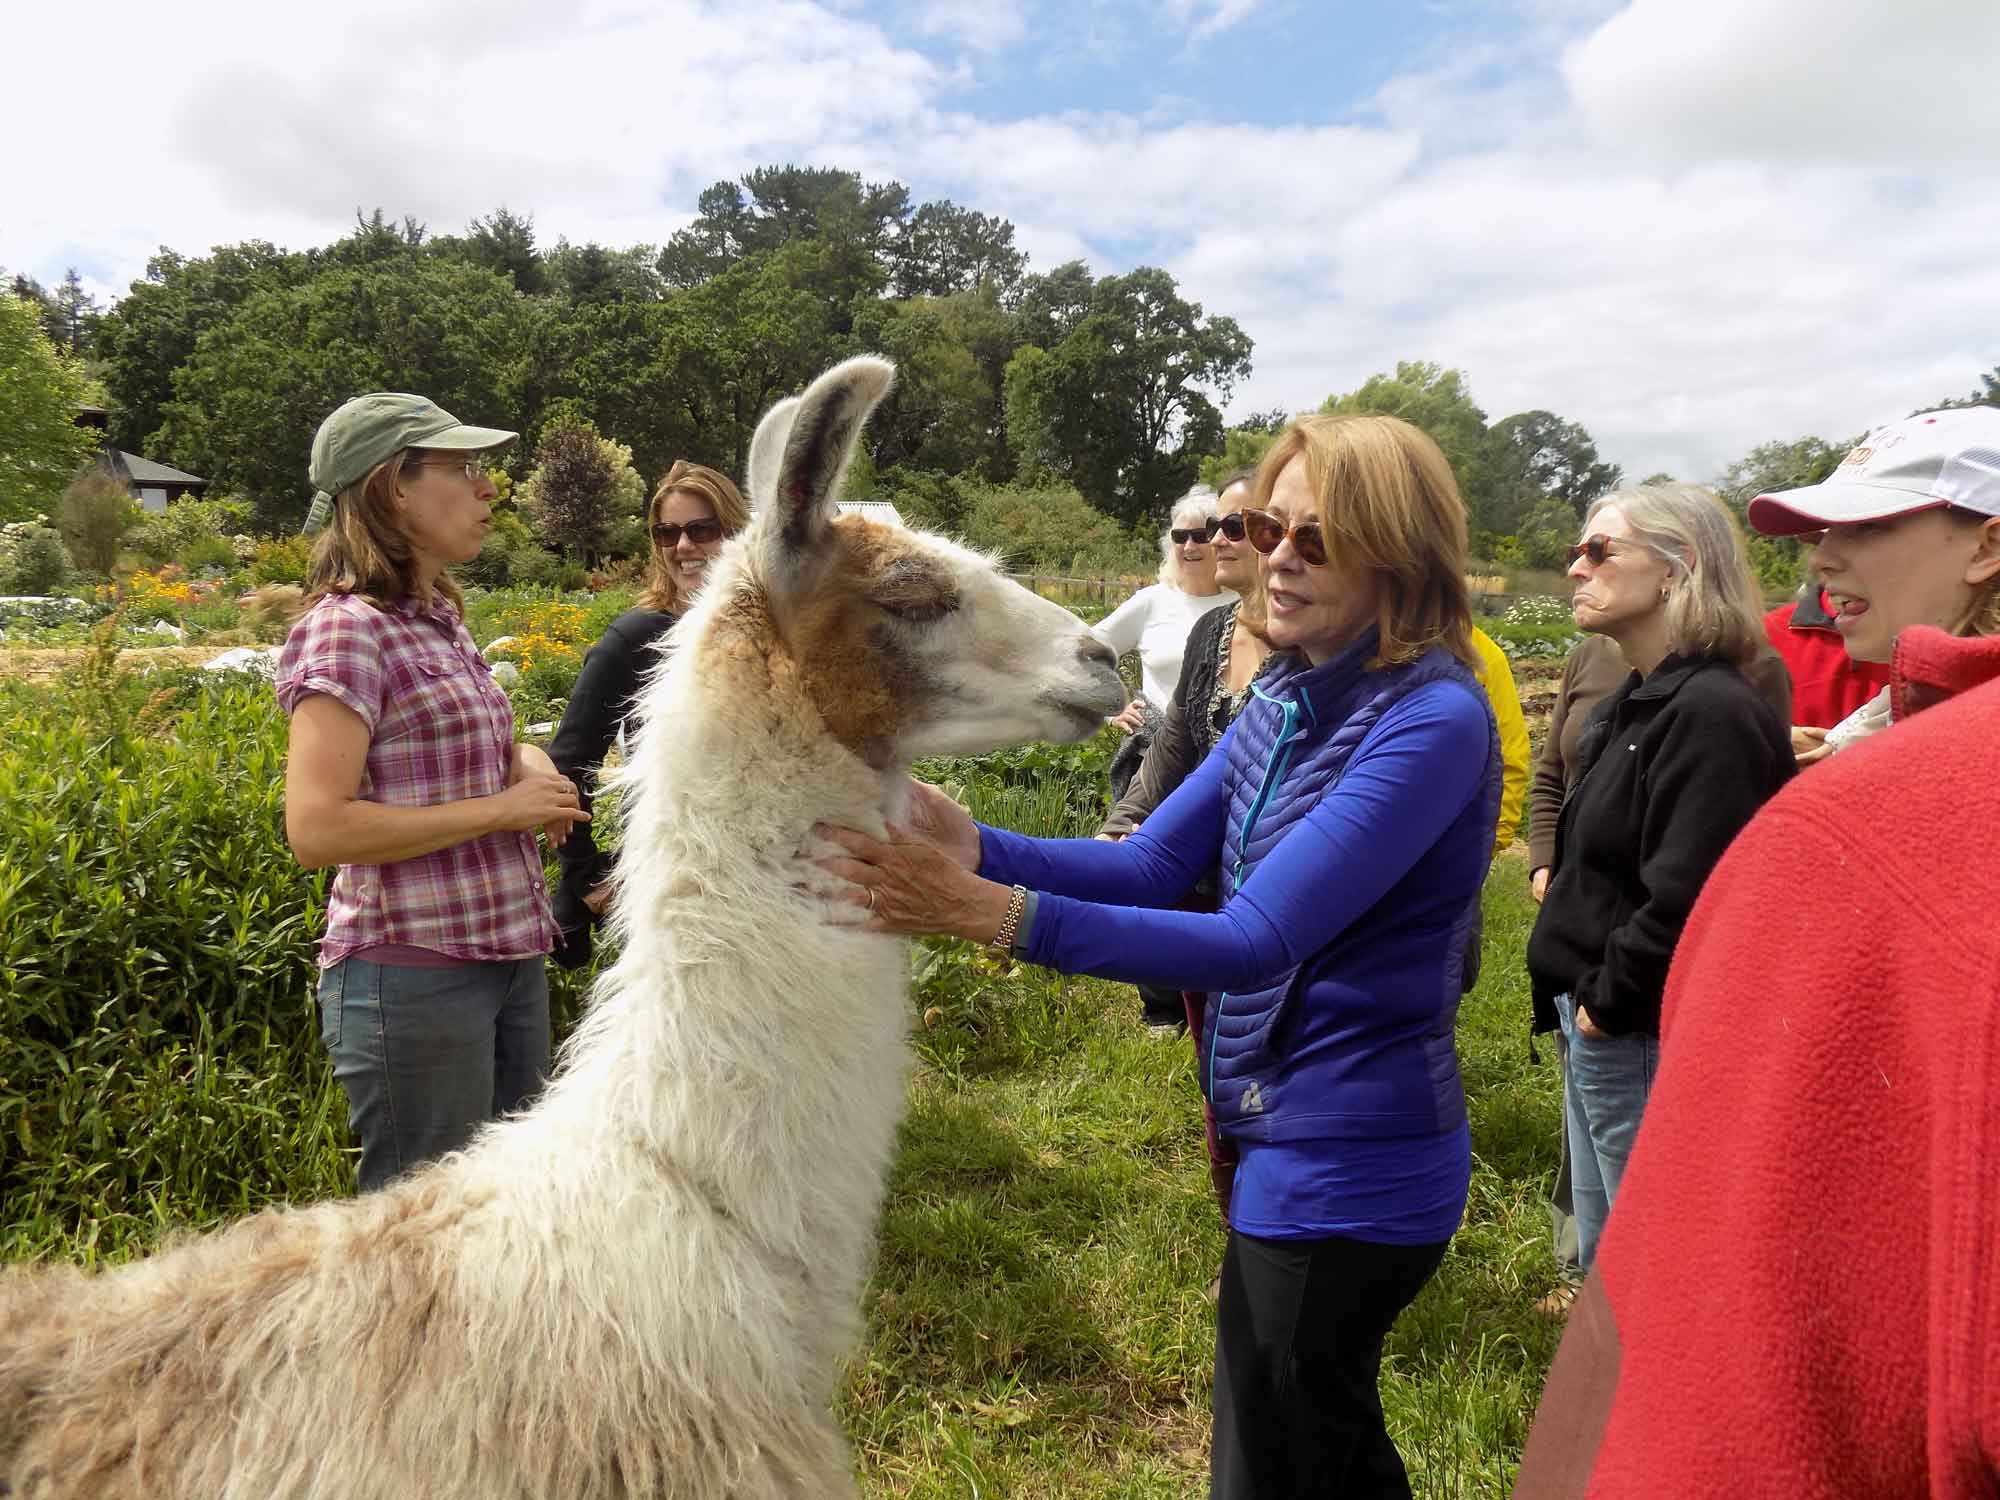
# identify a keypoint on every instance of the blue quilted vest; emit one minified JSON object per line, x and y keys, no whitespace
{"x":1358,"y":1039}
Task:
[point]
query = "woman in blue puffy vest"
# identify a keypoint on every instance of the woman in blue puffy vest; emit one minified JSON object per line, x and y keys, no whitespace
{"x":1347,"y":814}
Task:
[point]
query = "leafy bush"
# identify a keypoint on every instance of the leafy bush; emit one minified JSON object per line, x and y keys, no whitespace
{"x":281,"y":561}
{"x":36,"y":561}
{"x":576,"y":487}
{"x":93,"y":516}
{"x":208,"y":552}
{"x":1052,"y":530}
{"x":511,"y":558}
{"x":156,"y":953}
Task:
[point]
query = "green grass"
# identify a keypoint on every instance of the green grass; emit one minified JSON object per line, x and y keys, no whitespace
{"x":1037,"y":1319}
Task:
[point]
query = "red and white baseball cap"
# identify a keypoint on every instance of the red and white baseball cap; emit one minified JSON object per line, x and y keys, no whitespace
{"x":1920,"y":463}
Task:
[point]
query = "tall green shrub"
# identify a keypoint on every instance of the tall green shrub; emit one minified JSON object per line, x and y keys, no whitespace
{"x":93,"y":516}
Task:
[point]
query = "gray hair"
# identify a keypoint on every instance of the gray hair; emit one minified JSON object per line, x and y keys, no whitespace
{"x":1711,"y":605}
{"x":1196,"y":508}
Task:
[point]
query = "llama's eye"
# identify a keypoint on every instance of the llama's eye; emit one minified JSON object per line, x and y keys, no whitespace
{"x":917,"y":612}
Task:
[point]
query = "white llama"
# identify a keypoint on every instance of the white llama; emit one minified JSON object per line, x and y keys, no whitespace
{"x":646,"y":1285}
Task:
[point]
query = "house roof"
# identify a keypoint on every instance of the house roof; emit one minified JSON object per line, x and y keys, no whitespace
{"x":872,"y":510}
{"x":145,"y":471}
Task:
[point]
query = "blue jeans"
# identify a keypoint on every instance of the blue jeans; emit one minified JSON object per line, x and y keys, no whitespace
{"x":428,"y":1055}
{"x":1604,"y":1096}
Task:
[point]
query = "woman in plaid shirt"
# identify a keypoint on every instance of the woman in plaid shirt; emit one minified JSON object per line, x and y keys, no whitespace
{"x":404,"y":772}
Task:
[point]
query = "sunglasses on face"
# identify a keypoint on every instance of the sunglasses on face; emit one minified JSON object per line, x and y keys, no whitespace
{"x":1182,"y":538}
{"x":471,"y":468}
{"x":1596,"y":547}
{"x":1265,"y":531}
{"x":701,"y":533}
{"x":1231,"y":525}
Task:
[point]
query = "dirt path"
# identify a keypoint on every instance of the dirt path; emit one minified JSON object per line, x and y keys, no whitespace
{"x":39,"y":664}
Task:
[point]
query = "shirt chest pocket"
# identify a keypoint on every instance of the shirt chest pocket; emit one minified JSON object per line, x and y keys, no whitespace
{"x":450,"y":695}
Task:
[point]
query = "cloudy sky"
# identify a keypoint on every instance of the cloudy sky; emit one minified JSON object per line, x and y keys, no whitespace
{"x":1692,"y":225}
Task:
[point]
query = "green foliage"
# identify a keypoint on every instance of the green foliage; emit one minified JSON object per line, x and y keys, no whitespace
{"x":578,"y":484}
{"x":41,"y":446}
{"x":207,"y":552}
{"x":511,"y":558}
{"x":281,"y":561}
{"x":156,"y":947}
{"x":1118,"y":401}
{"x":251,"y":393}
{"x":1243,"y":447}
{"x":1049,"y":530}
{"x":35,"y":560}
{"x":93,"y":516}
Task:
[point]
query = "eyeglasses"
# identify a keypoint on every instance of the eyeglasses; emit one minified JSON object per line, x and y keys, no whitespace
{"x":471,"y":468}
{"x":1597,"y":547}
{"x":1231,"y":525}
{"x":1182,"y":538}
{"x":701,"y":533}
{"x":1265,"y":531}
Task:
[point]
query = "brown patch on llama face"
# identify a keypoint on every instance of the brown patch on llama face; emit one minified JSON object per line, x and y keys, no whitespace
{"x":851,"y":634}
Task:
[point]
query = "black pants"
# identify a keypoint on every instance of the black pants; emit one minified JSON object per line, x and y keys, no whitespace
{"x":1298,"y":1358}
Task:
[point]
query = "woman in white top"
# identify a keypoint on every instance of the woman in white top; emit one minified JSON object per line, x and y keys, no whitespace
{"x":1156,"y":620}
{"x":1905,"y":532}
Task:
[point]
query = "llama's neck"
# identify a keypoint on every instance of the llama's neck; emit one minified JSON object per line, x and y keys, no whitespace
{"x":744,"y":1047}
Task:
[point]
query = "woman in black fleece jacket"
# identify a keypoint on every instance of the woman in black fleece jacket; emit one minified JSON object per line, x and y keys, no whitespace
{"x":1670,"y":768}
{"x":694,"y":510}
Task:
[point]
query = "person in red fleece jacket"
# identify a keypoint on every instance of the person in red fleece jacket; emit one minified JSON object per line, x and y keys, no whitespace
{"x":1797,"y":1295}
{"x":1798,"y":1301}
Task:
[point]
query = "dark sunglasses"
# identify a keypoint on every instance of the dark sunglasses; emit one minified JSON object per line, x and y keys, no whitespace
{"x":1596,"y":547}
{"x":701,"y":533}
{"x":1231,"y":525}
{"x":1266,"y":531}
{"x":1182,"y":538}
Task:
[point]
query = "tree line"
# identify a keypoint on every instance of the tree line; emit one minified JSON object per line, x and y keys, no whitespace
{"x":1101,"y":395}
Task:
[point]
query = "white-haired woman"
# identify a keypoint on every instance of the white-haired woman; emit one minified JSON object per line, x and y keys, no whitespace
{"x":1155,"y":623}
{"x":1669,"y":769}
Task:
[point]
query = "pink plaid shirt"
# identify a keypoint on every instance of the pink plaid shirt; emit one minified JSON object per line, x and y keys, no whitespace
{"x":440,"y":729}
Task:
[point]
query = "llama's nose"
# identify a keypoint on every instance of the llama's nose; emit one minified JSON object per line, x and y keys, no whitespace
{"x":1094,"y":651}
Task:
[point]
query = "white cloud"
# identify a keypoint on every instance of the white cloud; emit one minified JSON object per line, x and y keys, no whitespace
{"x":1670,"y":254}
{"x":1208,"y":17}
{"x":981,"y":25}
{"x":1908,"y":82}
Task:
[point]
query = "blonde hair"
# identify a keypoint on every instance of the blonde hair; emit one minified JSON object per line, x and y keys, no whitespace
{"x":365,"y":551}
{"x":1388,"y":503}
{"x":1195,"y":508}
{"x":1711,"y":605}
{"x":661,"y":592}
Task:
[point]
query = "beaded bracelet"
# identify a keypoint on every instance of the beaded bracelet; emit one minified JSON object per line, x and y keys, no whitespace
{"x":1010,"y":925}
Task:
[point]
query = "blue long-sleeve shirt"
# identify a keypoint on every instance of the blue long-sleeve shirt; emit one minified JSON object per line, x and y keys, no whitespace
{"x":1377,"y":839}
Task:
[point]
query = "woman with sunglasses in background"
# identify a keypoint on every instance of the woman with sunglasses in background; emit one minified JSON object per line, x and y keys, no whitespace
{"x":1668,"y":769}
{"x":1155,"y":622}
{"x":693,"y":511}
{"x":1346,"y":817}
{"x":403,"y":771}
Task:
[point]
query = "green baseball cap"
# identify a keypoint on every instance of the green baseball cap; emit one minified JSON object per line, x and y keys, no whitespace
{"x":365,"y":431}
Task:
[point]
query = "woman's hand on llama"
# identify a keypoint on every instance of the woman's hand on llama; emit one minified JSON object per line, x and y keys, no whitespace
{"x":1132,"y":717}
{"x":939,"y":821}
{"x":910,"y":887}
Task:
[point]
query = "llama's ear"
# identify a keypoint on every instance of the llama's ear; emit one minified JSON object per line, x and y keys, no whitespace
{"x":818,"y":438}
{"x":766,"y":449}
